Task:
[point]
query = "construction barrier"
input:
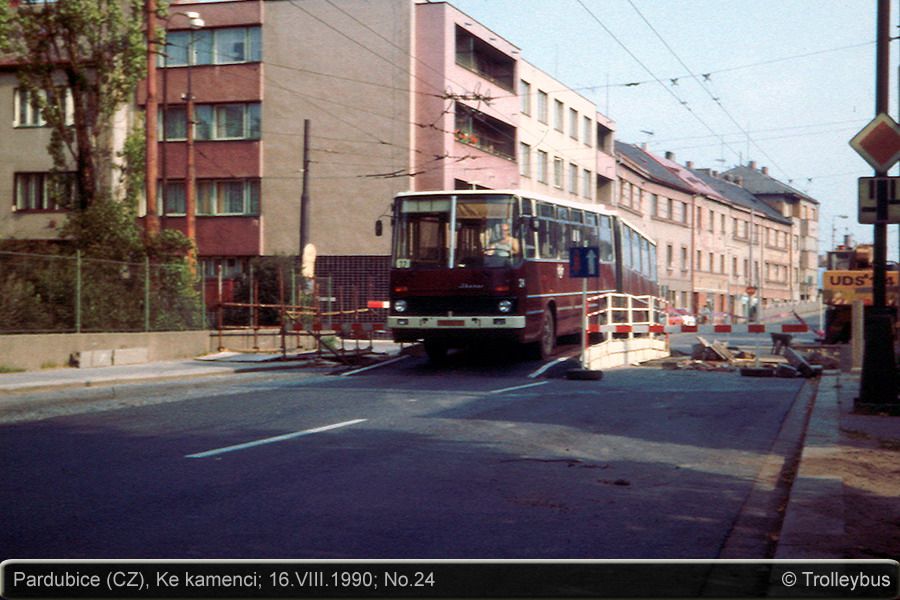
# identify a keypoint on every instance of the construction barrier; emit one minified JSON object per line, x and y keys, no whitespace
{"x":743,"y":328}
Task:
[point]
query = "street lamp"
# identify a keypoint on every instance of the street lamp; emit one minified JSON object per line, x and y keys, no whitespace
{"x":190,"y":203}
{"x":153,"y":210}
{"x":833,"y":226}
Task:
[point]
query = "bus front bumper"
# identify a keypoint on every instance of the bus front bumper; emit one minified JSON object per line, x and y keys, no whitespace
{"x":432,"y":323}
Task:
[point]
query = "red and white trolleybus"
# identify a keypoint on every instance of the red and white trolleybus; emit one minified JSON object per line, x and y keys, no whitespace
{"x":474,"y":265}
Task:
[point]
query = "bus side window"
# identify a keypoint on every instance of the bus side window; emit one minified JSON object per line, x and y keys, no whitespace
{"x":528,"y":236}
{"x":645,"y":257}
{"x":605,"y":240}
{"x":636,"y":252}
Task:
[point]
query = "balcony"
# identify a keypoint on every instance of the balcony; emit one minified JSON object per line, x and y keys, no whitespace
{"x":487,"y":61}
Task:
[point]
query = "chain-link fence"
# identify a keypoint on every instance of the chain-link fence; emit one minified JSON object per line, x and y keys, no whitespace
{"x":66,"y":293}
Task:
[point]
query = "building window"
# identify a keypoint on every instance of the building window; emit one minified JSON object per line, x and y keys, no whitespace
{"x":524,"y":159}
{"x":172,"y":196}
{"x":573,"y":178}
{"x":573,"y":124}
{"x":542,"y":166}
{"x":558,"y":166}
{"x":559,"y":112}
{"x":525,"y":96}
{"x":543,"y":107}
{"x":586,"y":181}
{"x":212,"y":47}
{"x":684,"y":258}
{"x":228,"y":121}
{"x":487,"y":61}
{"x":670,"y":256}
{"x":44,"y":191}
{"x":228,"y":197}
{"x":222,"y":197}
{"x":27,"y":111}
{"x":213,"y":122}
{"x":587,"y":134}
{"x":485,"y":132}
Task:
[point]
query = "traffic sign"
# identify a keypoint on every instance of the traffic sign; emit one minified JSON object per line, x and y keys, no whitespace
{"x":868,"y":198}
{"x":584,"y":262}
{"x":879,"y":142}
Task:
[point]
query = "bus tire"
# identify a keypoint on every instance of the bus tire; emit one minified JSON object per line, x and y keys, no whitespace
{"x":436,"y":351}
{"x":547,"y":340}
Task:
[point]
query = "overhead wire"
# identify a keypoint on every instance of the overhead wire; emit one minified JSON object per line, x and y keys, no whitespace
{"x":715,"y":99}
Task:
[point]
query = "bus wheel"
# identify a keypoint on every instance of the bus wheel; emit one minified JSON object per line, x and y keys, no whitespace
{"x":436,"y":351}
{"x":547,"y":343}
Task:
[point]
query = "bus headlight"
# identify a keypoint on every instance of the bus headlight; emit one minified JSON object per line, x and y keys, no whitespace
{"x":400,"y":306}
{"x":505,"y":306}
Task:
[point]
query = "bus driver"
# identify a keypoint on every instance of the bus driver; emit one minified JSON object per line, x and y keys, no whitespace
{"x":505,"y":245}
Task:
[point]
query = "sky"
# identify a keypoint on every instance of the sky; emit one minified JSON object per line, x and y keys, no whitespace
{"x":784,"y":83}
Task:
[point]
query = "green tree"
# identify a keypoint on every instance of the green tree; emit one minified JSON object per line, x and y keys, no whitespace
{"x":79,"y":62}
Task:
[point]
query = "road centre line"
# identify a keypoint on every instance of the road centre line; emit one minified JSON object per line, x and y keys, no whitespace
{"x":518,"y":387}
{"x":272,"y":440}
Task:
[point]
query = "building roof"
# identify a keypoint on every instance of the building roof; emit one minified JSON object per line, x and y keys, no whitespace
{"x":650,"y":167}
{"x":759,"y":182}
{"x":739,"y":196}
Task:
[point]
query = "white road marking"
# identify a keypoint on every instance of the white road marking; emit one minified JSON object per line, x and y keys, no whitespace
{"x":543,"y":369}
{"x":519,"y":387}
{"x":272,"y":440}
{"x":375,"y":366}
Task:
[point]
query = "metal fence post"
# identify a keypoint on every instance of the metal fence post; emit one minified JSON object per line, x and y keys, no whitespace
{"x":146,"y":293}
{"x":78,"y":291}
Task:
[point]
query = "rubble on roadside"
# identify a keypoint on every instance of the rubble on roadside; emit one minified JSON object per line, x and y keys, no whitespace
{"x":785,"y":361}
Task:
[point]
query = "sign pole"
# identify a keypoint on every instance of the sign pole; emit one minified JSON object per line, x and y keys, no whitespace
{"x":584,"y":263}
{"x":878,"y":385}
{"x":584,"y":324}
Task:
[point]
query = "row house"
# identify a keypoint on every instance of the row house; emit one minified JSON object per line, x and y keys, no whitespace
{"x":720,"y":249}
{"x":802,"y":210}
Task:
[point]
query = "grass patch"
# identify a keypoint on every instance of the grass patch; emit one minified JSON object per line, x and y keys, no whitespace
{"x":8,"y":369}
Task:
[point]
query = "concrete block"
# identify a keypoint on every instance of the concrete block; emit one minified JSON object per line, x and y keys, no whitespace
{"x":131,"y":356}
{"x":94,"y":358}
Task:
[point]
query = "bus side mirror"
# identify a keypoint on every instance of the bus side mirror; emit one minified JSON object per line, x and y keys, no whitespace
{"x":379,"y":228}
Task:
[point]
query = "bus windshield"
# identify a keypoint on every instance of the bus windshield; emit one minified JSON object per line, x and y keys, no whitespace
{"x":485,"y":232}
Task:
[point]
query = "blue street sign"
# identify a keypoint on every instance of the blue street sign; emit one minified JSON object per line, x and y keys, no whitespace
{"x":584,"y":262}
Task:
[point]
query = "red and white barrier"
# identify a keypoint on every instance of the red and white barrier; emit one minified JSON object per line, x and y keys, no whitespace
{"x":744,"y":328}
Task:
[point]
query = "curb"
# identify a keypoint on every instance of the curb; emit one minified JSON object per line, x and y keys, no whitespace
{"x":814,"y":519}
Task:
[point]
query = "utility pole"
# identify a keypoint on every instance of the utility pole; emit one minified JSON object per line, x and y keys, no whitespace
{"x":304,"y":200}
{"x":878,"y":385}
{"x":151,"y":220}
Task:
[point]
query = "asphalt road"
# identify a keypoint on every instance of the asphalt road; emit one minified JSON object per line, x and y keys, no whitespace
{"x":472,"y":459}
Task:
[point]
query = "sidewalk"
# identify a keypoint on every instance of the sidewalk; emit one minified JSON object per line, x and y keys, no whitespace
{"x":225,"y":363}
{"x":844,"y":499}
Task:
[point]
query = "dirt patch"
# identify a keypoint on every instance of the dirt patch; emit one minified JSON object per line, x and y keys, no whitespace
{"x":869,"y":464}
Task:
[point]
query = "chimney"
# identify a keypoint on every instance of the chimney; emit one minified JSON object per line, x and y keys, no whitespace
{"x":765,"y":170}
{"x":670,"y":155}
{"x":753,"y":164}
{"x":644,"y":146}
{"x":689,"y":164}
